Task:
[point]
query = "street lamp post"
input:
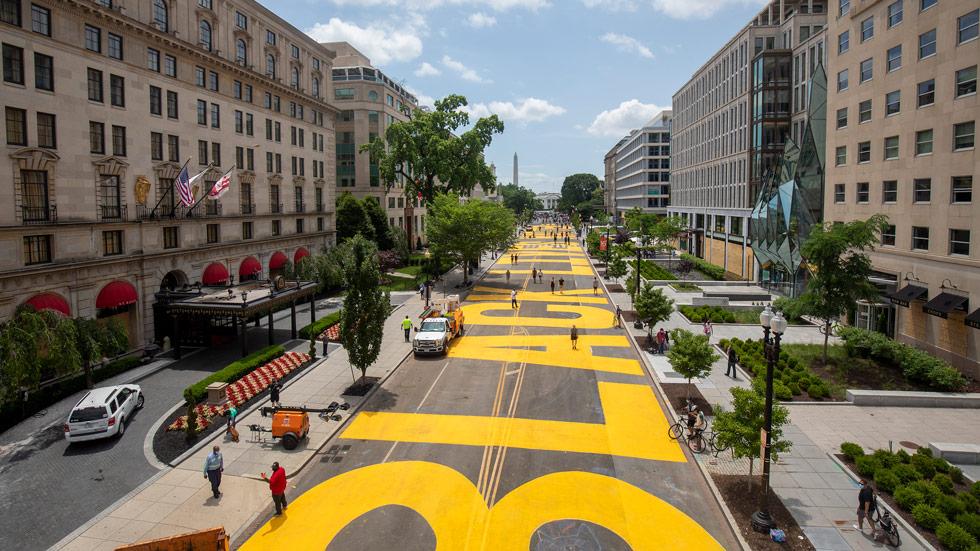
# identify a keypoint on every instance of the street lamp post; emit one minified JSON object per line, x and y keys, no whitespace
{"x":775,"y":323}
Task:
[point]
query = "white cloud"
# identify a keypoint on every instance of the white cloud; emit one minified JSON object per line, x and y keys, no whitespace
{"x":540,"y":182}
{"x":613,"y":5}
{"x":498,"y":5}
{"x":618,"y":122}
{"x":481,"y":20}
{"x":424,"y":100}
{"x":463,"y":71}
{"x":381,"y":44}
{"x":524,"y":111}
{"x":697,"y":9}
{"x":427,"y":70}
{"x":627,"y":44}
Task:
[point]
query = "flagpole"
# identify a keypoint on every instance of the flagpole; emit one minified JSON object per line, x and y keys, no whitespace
{"x":205,"y":195}
{"x":171,"y":190}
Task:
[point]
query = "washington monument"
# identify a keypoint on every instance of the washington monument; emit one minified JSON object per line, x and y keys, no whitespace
{"x":515,"y":170}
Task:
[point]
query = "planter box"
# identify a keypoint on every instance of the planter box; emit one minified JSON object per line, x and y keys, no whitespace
{"x":898,"y":398}
{"x":709,"y":301}
{"x":217,"y":394}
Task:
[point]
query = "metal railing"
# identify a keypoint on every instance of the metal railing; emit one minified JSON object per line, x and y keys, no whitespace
{"x":276,"y":208}
{"x":163,"y":212}
{"x":248,"y":208}
{"x":112,"y":213}
{"x":319,"y":207}
{"x":39,"y":215}
{"x":300,"y":206}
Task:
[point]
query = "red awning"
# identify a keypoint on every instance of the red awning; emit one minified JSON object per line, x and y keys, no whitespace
{"x":301,"y":253}
{"x":50,"y":301}
{"x":249,"y":267}
{"x":116,"y":294}
{"x":215,"y":274}
{"x":277,"y":261}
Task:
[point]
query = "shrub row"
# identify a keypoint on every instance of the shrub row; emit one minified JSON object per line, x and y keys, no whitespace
{"x":319,"y":326}
{"x":918,"y":366}
{"x":716,"y":273}
{"x":232,"y":372}
{"x":791,"y":377}
{"x":923,"y":485}
{"x":700,"y":314}
{"x":652,"y":271}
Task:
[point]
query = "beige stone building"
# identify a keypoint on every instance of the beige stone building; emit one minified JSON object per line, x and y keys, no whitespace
{"x":369,"y":102}
{"x":901,"y":140}
{"x":104,"y":101}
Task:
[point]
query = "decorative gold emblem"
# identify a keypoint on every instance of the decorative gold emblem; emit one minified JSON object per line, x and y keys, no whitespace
{"x":142,"y":189}
{"x":280,"y":283}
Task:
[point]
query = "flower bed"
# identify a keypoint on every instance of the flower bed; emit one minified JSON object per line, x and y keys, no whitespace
{"x":332,"y":334}
{"x":926,"y":490}
{"x":244,"y":389}
{"x":792,"y":377}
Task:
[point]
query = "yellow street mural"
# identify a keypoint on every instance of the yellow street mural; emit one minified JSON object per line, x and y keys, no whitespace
{"x":556,"y":351}
{"x":461,"y":520}
{"x":569,"y":296}
{"x":587,"y":317}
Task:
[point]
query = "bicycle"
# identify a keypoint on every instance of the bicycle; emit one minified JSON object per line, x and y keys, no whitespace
{"x":695,"y":441}
{"x":887,"y":527}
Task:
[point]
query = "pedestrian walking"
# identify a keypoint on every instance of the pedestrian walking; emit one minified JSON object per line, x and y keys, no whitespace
{"x":422,"y":291}
{"x":513,"y":298}
{"x":508,"y":276}
{"x":552,"y":285}
{"x":574,"y":337}
{"x":232,"y":419}
{"x":660,"y":341}
{"x":561,"y":286}
{"x":595,"y":286}
{"x":540,"y":276}
{"x":534,"y":275}
{"x":277,"y":484}
{"x":517,"y":258}
{"x":214,"y":465}
{"x":866,"y":506}
{"x":666,"y":339}
{"x":274,"y":389}
{"x":708,"y":329}
{"x":407,"y":328}
{"x":619,"y":314}
{"x":732,"y":360}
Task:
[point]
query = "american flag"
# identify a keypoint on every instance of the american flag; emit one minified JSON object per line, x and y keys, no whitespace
{"x":182,"y":185}
{"x":221,"y":186}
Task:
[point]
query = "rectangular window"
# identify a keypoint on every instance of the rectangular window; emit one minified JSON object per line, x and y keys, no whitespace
{"x":926,"y":93}
{"x":276,"y":227}
{"x":13,"y":64}
{"x":247,"y":96}
{"x":199,"y":76}
{"x":888,"y":235}
{"x":863,"y":192}
{"x":845,"y":8}
{"x":249,"y":127}
{"x":270,"y":38}
{"x":37,"y":249}
{"x":239,"y":157}
{"x":202,"y":112}
{"x":966,"y":81}
{"x":239,"y":121}
{"x":156,"y":101}
{"x":246,"y":230}
{"x":43,"y":72}
{"x":171,"y":237}
{"x":156,"y":146}
{"x":40,"y":18}
{"x":215,"y":116}
{"x":216,"y":153}
{"x":96,"y":137}
{"x":268,"y":161}
{"x":963,"y":135}
{"x":962,"y":190}
{"x":212,"y":81}
{"x":46,"y":135}
{"x":250,"y":159}
{"x":841,"y":155}
{"x":236,"y":89}
{"x":115,"y":49}
{"x":842,"y":80}
{"x":171,"y":104}
{"x":842,"y":117}
{"x":959,"y":242}
{"x":921,"y":190}
{"x":893,"y":102}
{"x":893,"y":58}
{"x":119,"y":141}
{"x":117,"y":91}
{"x":867,"y":29}
{"x":864,"y":152}
{"x":16,"y":126}
{"x":214,"y":233}
{"x":920,"y":238}
{"x":202,"y":152}
{"x":343,"y":93}
{"x":926,"y":4}
{"x":112,"y":242}
{"x":173,"y":146}
{"x":241,"y":20}
{"x":895,"y":14}
{"x":966,"y":26}
{"x":299,"y":225}
{"x":927,"y":44}
{"x":93,"y":39}
{"x":891,"y":148}
{"x":864,"y":111}
{"x":170,"y":65}
{"x":153,"y":59}
{"x":867,"y":69}
{"x":889,"y":191}
{"x":843,"y":42}
{"x":95,"y":92}
{"x":840,"y":193}
{"x":923,"y":142}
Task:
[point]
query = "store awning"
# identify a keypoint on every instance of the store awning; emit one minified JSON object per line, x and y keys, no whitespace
{"x":50,"y":301}
{"x":943,"y":304}
{"x":116,"y":295}
{"x":973,"y":320}
{"x":905,"y":295}
{"x":249,"y":267}
{"x":277,"y":261}
{"x":215,"y":274}
{"x":301,"y":253}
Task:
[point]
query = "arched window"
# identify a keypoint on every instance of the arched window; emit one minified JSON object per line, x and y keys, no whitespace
{"x":161,"y":16}
{"x":205,"y":38}
{"x":372,"y":96}
{"x":316,"y":87}
{"x":241,"y":52}
{"x":294,"y":78}
{"x":270,"y":66}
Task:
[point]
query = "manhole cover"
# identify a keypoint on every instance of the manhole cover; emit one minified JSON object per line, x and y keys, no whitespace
{"x":909,"y":445}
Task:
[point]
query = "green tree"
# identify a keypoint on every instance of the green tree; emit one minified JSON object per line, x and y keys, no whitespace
{"x":324,"y":268}
{"x":366,"y":306}
{"x":352,"y":219}
{"x":401,"y":245}
{"x":665,"y":232}
{"x":519,"y":199}
{"x":617,"y":267}
{"x":741,"y":428}
{"x":379,"y":221}
{"x":461,"y":232}
{"x":432,"y":155}
{"x":95,"y":339}
{"x":835,"y":255}
{"x":601,"y":218}
{"x":35,"y":344}
{"x":691,"y":355}
{"x":576,"y":189}
{"x":652,"y":306}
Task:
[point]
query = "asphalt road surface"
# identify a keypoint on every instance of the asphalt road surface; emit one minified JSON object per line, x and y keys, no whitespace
{"x":513,"y":441}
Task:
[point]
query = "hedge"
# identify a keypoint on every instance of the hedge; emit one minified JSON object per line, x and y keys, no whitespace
{"x":319,"y":326}
{"x":918,"y":366}
{"x":700,"y":314}
{"x":716,"y":273}
{"x":652,"y":271}
{"x":790,"y":372}
{"x":197,"y":392}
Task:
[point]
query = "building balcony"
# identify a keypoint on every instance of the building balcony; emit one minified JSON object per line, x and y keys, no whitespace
{"x":276,"y":208}
{"x":210,"y":209}
{"x":163,"y":212}
{"x":39,"y":215}
{"x":112,"y":213}
{"x":300,"y":206}
{"x":248,"y":208}
{"x":319,"y":207}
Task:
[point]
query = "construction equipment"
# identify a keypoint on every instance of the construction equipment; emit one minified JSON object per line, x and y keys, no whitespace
{"x":212,"y":539}
{"x":441,"y":323}
{"x":291,"y":424}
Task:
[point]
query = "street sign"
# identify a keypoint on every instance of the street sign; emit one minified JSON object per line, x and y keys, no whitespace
{"x":762,"y":444}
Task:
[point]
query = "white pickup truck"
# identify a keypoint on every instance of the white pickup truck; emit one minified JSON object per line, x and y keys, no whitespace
{"x":440,"y":326}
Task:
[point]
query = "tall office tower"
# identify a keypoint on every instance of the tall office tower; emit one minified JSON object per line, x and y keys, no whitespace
{"x":94,"y":229}
{"x":609,"y":181}
{"x":903,"y":101}
{"x":722,"y":141}
{"x":516,"y":183}
{"x":642,"y":163}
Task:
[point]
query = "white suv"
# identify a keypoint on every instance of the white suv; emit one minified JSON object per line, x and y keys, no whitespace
{"x":103,"y":412}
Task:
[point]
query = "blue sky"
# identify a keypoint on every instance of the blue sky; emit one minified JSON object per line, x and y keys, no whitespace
{"x":569,"y":77}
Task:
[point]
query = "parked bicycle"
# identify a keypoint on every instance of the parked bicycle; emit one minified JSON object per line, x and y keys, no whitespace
{"x":886,"y":528}
{"x":694,"y":438}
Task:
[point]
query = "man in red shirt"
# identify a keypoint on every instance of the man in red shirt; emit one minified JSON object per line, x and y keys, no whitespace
{"x":277,"y":484}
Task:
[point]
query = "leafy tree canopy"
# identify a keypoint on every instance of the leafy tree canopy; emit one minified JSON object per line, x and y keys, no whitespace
{"x":690,"y":355}
{"x":741,"y":427}
{"x":366,"y":306}
{"x":352,"y":219}
{"x":379,"y":220}
{"x":519,"y":199}
{"x":577,"y":189}
{"x":653,"y":306}
{"x":461,"y":232}
{"x":431,"y":155}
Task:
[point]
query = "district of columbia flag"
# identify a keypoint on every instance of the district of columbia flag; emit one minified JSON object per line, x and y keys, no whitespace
{"x":221,"y":186}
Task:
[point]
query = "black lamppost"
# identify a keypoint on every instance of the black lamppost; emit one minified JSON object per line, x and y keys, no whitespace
{"x":775,"y":323}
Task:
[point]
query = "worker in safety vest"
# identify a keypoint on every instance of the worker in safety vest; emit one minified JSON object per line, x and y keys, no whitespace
{"x":407,"y":326}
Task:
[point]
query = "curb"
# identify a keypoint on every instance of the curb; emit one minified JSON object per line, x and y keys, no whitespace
{"x":913,"y":533}
{"x":733,"y":527}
